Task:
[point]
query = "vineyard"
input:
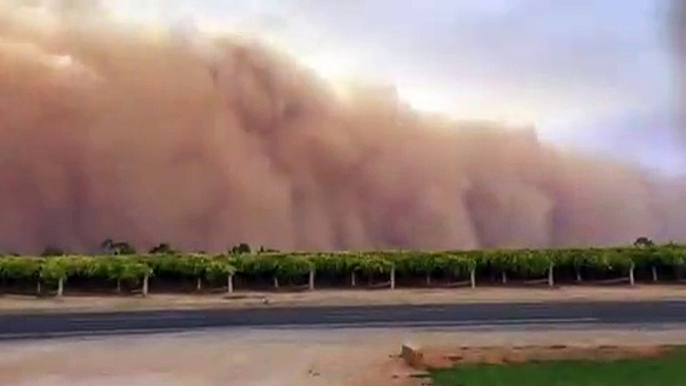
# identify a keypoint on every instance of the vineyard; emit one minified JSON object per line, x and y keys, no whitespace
{"x":169,"y":272}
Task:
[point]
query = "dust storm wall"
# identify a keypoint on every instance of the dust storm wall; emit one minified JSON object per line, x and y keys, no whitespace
{"x":108,"y":130}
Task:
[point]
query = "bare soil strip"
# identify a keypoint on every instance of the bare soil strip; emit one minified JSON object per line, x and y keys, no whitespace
{"x":498,"y":355}
{"x":12,"y":304}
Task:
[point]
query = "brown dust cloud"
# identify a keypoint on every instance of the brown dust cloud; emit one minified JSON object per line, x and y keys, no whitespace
{"x":113,"y":131}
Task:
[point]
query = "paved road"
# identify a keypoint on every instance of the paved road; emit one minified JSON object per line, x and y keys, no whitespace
{"x":649,"y":314}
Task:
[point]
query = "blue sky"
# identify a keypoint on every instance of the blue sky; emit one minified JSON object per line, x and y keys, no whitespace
{"x":594,"y":74}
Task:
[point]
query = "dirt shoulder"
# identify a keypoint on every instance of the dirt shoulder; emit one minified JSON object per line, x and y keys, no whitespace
{"x":27,"y":304}
{"x":291,"y":358}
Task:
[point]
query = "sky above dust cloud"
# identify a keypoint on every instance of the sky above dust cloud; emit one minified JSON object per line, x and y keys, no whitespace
{"x":593,"y":74}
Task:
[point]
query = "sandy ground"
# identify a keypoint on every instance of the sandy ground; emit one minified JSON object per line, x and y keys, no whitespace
{"x":325,"y":297}
{"x":266,"y":358}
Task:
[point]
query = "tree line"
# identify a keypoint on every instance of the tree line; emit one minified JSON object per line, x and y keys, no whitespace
{"x":112,"y":247}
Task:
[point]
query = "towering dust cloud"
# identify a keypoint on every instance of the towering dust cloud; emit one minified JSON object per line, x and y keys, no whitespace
{"x":112,"y":131}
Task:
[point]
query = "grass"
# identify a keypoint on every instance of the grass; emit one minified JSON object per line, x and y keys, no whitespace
{"x":669,"y":370}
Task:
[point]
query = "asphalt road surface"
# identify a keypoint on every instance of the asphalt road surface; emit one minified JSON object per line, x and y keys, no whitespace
{"x":521,"y":315}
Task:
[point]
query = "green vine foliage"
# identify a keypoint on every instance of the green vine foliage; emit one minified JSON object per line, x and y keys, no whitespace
{"x":123,"y":269}
{"x":280,"y":265}
{"x":527,"y":264}
{"x":456,"y":264}
{"x":373,"y":264}
{"x":219,"y":268}
{"x":55,"y":269}
{"x":575,"y":258}
{"x":20,"y":268}
{"x":500,"y":260}
{"x":612,"y":260}
{"x":292,"y":267}
{"x":532,"y":263}
{"x":330,"y":263}
{"x":672,"y":256}
{"x":415,"y":262}
{"x":176,"y":266}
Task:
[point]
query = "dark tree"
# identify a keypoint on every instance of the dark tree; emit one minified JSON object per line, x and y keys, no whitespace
{"x":240,"y":249}
{"x":110,"y":247}
{"x":107,"y":246}
{"x":267,"y":250}
{"x":124,"y":248}
{"x":643,"y":242}
{"x":51,"y":251}
{"x":162,"y":249}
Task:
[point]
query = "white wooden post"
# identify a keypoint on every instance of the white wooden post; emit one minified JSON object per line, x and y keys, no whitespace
{"x":198,"y":285}
{"x":311,"y":281}
{"x":472,"y":277}
{"x":632,"y":281}
{"x":276,"y":282}
{"x":428,"y":279}
{"x":38,"y":288}
{"x":504,"y":277}
{"x":551,"y":275}
{"x":655,"y":278}
{"x":229,"y":284}
{"x":60,"y":288}
{"x":352,"y":279}
{"x":393,"y":278}
{"x":145,"y":285}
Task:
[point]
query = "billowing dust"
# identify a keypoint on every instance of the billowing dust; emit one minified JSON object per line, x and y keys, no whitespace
{"x":112,"y":130}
